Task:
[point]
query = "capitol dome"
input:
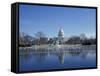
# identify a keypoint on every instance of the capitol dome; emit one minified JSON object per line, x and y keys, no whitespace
{"x":61,"y":33}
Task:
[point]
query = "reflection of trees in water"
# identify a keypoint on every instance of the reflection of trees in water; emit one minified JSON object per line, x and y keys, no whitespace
{"x":81,"y":53}
{"x":28,"y":54}
{"x":84,"y":54}
{"x":40,"y":54}
{"x":74,"y":53}
{"x":40,"y":57}
{"x":23,"y":53}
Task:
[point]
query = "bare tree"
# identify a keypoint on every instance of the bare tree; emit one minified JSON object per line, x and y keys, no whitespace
{"x":41,"y":37}
{"x":25,"y":40}
{"x":74,"y":40}
{"x":83,"y":36}
{"x":40,"y":34}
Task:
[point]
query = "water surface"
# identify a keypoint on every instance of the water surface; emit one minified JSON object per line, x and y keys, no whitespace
{"x":61,"y":59}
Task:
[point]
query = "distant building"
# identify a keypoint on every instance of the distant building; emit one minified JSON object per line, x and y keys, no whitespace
{"x":60,"y":39}
{"x":61,"y":36}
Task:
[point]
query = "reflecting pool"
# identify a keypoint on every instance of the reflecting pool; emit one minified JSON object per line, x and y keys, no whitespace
{"x":43,"y":59}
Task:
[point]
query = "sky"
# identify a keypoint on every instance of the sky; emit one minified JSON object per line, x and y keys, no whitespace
{"x":48,"y":19}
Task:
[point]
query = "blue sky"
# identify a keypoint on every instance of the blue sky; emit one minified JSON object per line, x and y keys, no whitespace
{"x":47,"y":19}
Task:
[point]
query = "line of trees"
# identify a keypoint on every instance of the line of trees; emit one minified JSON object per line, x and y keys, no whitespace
{"x":26,"y":40}
{"x":40,"y":38}
{"x":78,"y":40}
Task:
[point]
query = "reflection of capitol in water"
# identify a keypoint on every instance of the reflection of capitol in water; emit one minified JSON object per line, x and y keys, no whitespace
{"x":40,"y":56}
{"x":61,"y":57}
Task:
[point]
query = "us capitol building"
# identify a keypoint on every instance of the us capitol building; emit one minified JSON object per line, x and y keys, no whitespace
{"x":61,"y":36}
{"x":60,"y":39}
